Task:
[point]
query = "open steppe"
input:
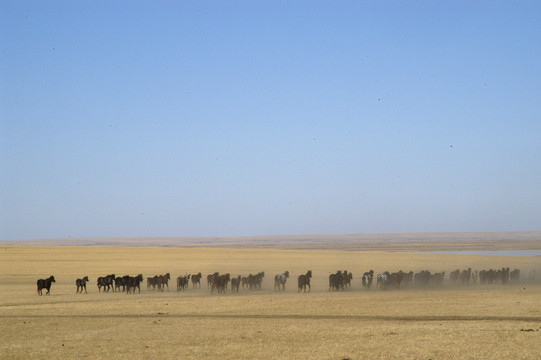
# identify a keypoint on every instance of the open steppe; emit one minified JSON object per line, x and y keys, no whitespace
{"x":465,"y":322}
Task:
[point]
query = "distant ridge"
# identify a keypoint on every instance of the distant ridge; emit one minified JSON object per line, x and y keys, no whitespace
{"x":520,"y":240}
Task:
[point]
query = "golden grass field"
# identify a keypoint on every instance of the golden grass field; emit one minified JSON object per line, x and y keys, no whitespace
{"x":475,"y":322}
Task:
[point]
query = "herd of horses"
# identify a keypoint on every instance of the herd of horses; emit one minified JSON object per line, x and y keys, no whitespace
{"x":341,"y":280}
{"x":425,"y":278}
{"x":125,"y":283}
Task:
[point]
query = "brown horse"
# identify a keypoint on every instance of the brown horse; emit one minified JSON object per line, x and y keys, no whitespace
{"x":219,"y":283}
{"x":453,"y":276}
{"x":196,"y":280}
{"x":106,"y":282}
{"x":244,"y":281}
{"x":163,"y":281}
{"x":395,"y":279}
{"x":81,"y":284}
{"x":210,"y":277}
{"x":407,"y":278}
{"x":45,"y":284}
{"x":304,"y":281}
{"x":182,"y":282}
{"x":514,"y":275}
{"x":465,"y":276}
{"x":336,"y":281}
{"x":346,"y":279}
{"x":235,"y":284}
{"x":254,"y":281}
{"x":152,"y":282}
{"x":437,"y":279}
{"x":119,"y":282}
{"x":134,"y":282}
{"x":422,"y":278}
{"x":125,"y":281}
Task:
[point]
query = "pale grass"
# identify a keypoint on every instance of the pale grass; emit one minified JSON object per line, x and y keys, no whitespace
{"x":476,"y":322}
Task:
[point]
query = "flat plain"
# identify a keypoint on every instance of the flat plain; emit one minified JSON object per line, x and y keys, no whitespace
{"x":466,"y":322}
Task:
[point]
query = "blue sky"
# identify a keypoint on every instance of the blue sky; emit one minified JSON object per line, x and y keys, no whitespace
{"x":258,"y":118}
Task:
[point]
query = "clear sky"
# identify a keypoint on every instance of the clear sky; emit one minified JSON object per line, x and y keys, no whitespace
{"x":225,"y":118}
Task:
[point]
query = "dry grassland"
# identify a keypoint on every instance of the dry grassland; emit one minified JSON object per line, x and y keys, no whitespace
{"x":476,"y":322}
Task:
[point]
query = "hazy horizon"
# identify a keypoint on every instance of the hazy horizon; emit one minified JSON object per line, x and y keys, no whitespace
{"x":242,"y":119}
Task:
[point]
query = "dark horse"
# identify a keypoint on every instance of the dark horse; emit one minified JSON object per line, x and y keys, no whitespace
{"x":220,"y":282}
{"x":182,"y":282}
{"x":254,"y":281}
{"x":336,"y":281}
{"x":106,"y":282}
{"x":134,"y":282}
{"x":163,"y":281}
{"x":45,"y":284}
{"x":81,"y":284}
{"x":196,"y":280}
{"x":235,"y":284}
{"x":119,"y":282}
{"x":304,"y":281}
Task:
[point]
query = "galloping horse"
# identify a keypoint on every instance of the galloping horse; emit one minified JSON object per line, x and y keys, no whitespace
{"x":465,"y":276}
{"x":106,"y":282}
{"x":335,"y":281}
{"x":220,"y":282}
{"x":152,"y":282}
{"x":367,"y":279}
{"x":280,"y":281}
{"x":304,"y":281}
{"x":182,"y":282}
{"x":45,"y":284}
{"x":346,"y":280}
{"x":119,"y":282}
{"x":383,"y":280}
{"x":196,"y":280}
{"x":254,"y":281}
{"x":395,"y":279}
{"x":437,"y":278}
{"x":163,"y":281}
{"x":81,"y":284}
{"x":134,"y":282}
{"x":453,"y":276}
{"x":235,"y":284}
{"x":244,"y":281}
{"x":210,"y":277}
